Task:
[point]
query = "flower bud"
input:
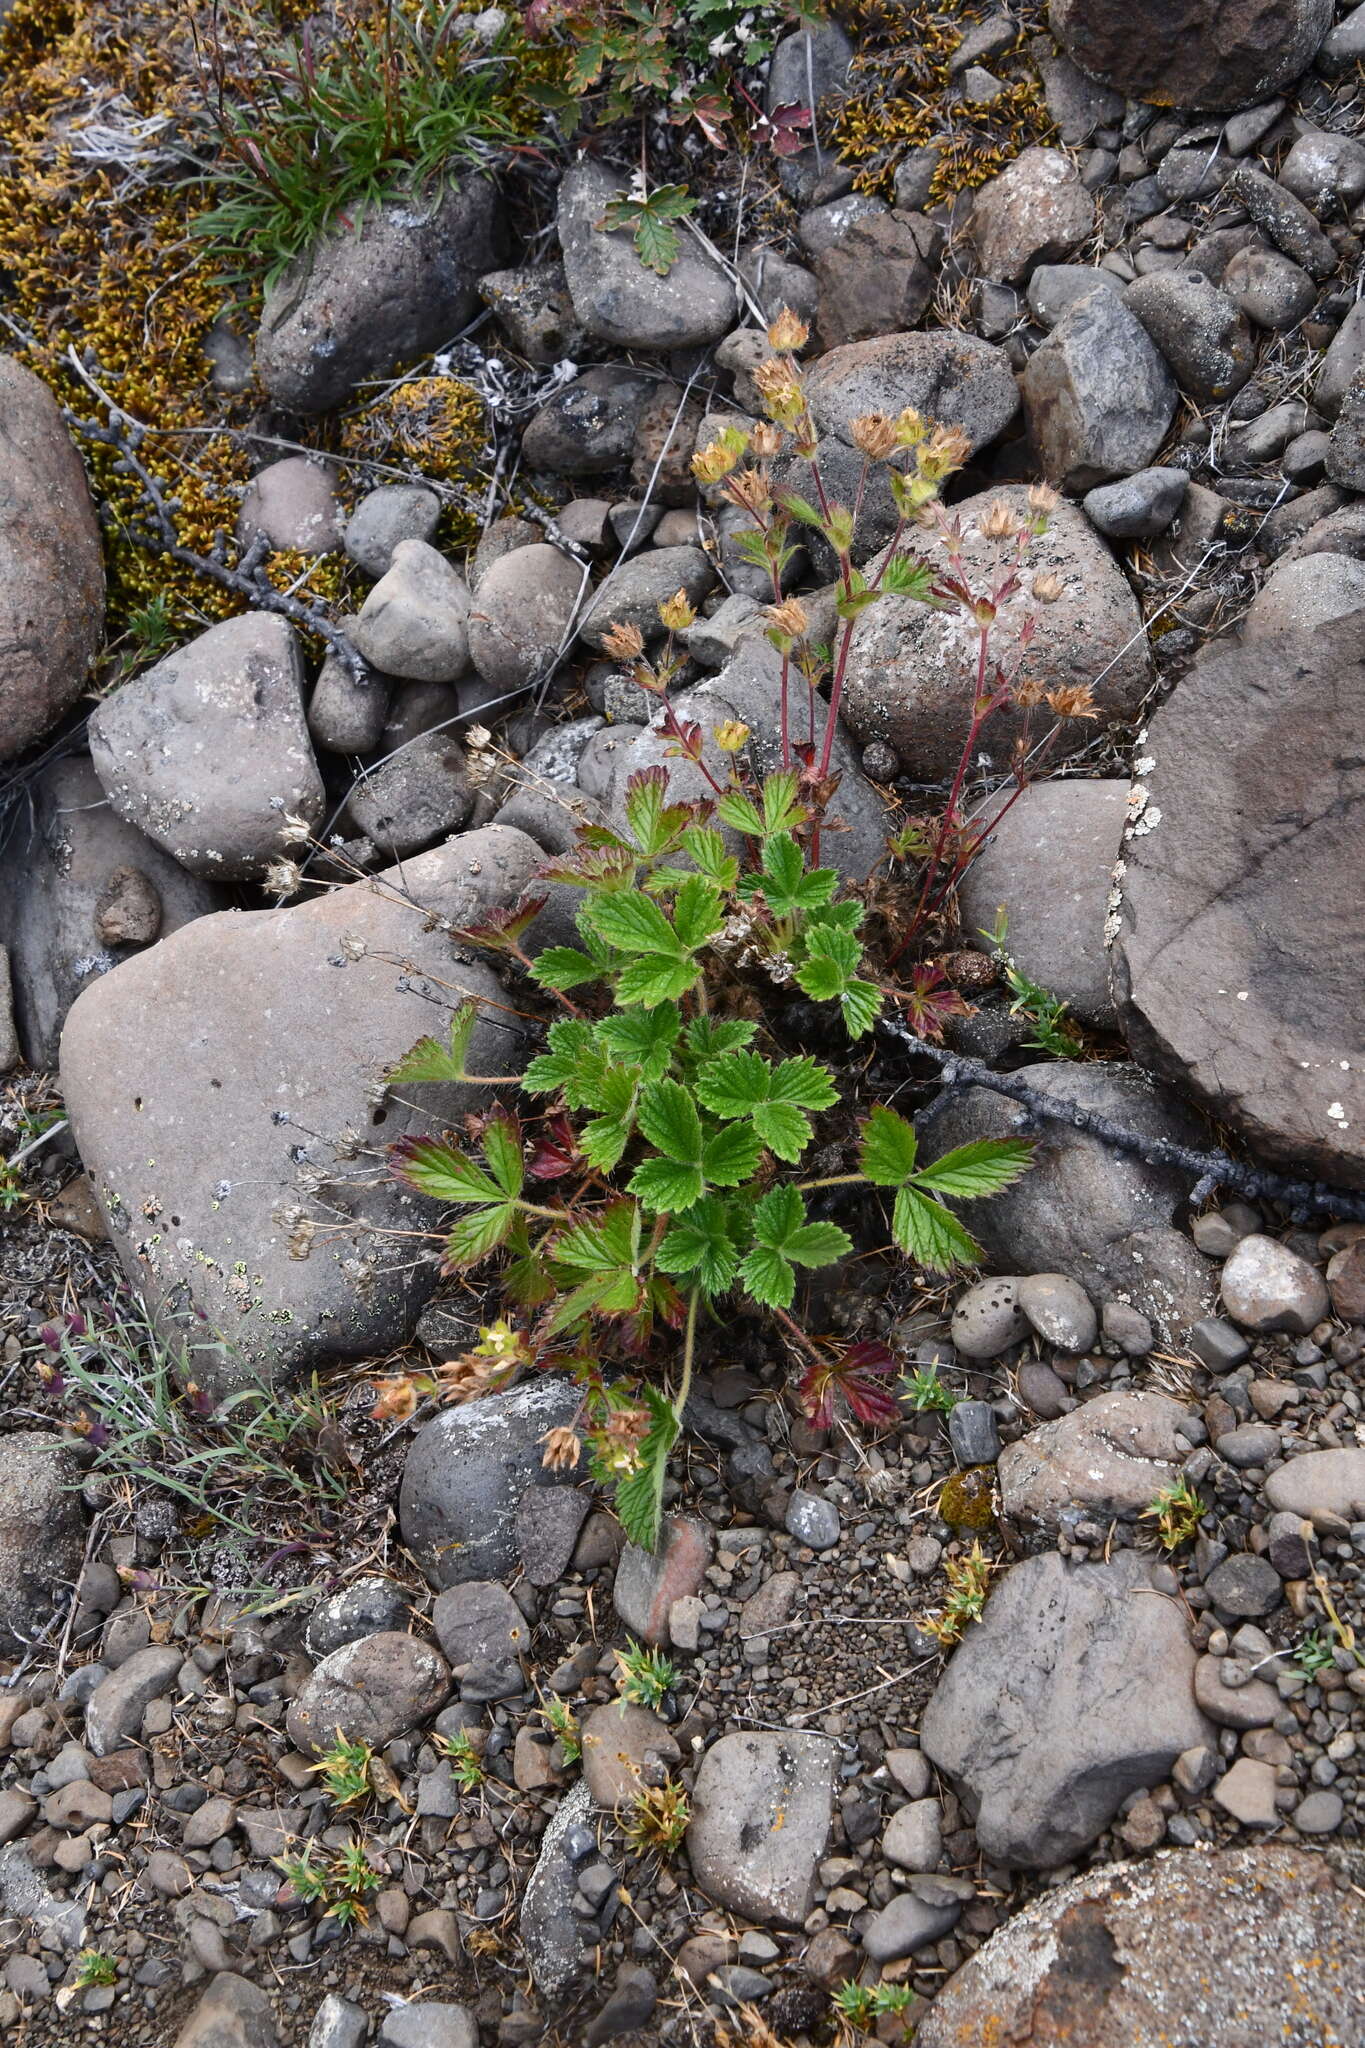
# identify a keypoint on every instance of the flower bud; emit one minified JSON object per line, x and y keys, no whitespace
{"x":1047,"y":588}
{"x":676,"y":613}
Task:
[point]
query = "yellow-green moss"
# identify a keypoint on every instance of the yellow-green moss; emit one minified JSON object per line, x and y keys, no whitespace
{"x":968,"y":1498}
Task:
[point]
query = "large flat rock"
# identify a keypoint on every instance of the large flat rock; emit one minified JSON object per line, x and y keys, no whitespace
{"x":227,"y":1084}
{"x":1240,"y":952}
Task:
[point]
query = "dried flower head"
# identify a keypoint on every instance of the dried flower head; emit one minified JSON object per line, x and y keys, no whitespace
{"x":352,"y":947}
{"x":910,"y":428}
{"x":765,"y":441}
{"x":874,"y":435}
{"x":731,"y":735}
{"x":1073,"y":701}
{"x":790,"y":618}
{"x":1042,"y":500}
{"x":563,"y":1449}
{"x":945,"y":451}
{"x":719,"y":457}
{"x":623,"y":642}
{"x":779,"y":390}
{"x":676,"y":613}
{"x":787,"y":334}
{"x":998,"y":522}
{"x":1027,"y":691}
{"x":282,"y":878}
{"x":1047,"y":588}
{"x":296,"y":830}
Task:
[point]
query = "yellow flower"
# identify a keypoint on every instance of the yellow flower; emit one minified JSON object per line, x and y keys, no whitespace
{"x":730,"y":736}
{"x":676,"y":613}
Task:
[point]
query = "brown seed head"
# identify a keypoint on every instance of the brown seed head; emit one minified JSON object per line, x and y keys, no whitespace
{"x":1047,"y":588}
{"x":998,"y":522}
{"x":1074,"y":701}
{"x":562,"y":1450}
{"x":874,"y":435}
{"x":788,"y":334}
{"x":676,"y":613}
{"x":624,"y":642}
{"x":765,"y":441}
{"x":1027,"y":691}
{"x":910,"y":428}
{"x":789,"y":618}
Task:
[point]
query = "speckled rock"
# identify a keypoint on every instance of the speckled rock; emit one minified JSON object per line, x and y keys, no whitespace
{"x":1098,"y":395}
{"x":42,"y":1532}
{"x":1262,"y":1943}
{"x":1036,"y":211}
{"x":520,"y":614}
{"x":1267,"y":1286}
{"x":292,"y":504}
{"x":1186,"y":53}
{"x":987,"y":1318}
{"x":415,"y":622}
{"x":466,"y":1473}
{"x":371,"y":1691}
{"x":1060,"y":1311}
{"x":204,"y":751}
{"x":1326,"y":1487}
{"x":615,"y":298}
{"x":1108,"y":1456}
{"x":762,"y":1809}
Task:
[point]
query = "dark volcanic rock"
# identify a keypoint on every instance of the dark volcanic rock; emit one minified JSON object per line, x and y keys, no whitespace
{"x":1241,"y":949}
{"x":1190,"y":53}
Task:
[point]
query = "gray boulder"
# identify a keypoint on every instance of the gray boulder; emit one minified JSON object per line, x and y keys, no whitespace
{"x":1074,"y":1690}
{"x":521,"y":611}
{"x":465,"y":1476}
{"x":415,"y":622}
{"x":206,"y":751}
{"x":1108,"y":1457}
{"x":615,"y":297}
{"x":365,"y":1607}
{"x":1346,"y":448}
{"x":1105,"y":1217}
{"x":67,"y":859}
{"x":954,"y":379}
{"x":42,"y":1533}
{"x":911,"y":669}
{"x":1098,"y":395}
{"x":1304,"y":594}
{"x":1036,"y":211}
{"x":414,"y":797}
{"x":1325,"y":171}
{"x":1232,"y":1933}
{"x":1326,"y":1487}
{"x":347,"y":711}
{"x":386,"y":515}
{"x":114,"y":1710}
{"x":762,"y":1809}
{"x":1190,"y":54}
{"x":221,"y":1079}
{"x":1251,"y":771}
{"x":1199,"y":331}
{"x":232,"y":2013}
{"x":551,"y":1933}
{"x":633,"y":592}
{"x":1049,"y":863}
{"x":1055,"y":287}
{"x":588,"y":427}
{"x":1284,"y":218}
{"x":366,"y":298}
{"x":1268,"y":288}
{"x":370,"y":1690}
{"x":51,"y":564}
{"x":1345,"y":354}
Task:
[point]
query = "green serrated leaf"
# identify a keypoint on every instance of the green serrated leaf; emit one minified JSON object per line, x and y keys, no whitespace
{"x":429,"y":1060}
{"x":804,"y":1082}
{"x":643,"y":1038}
{"x":668,"y":1119}
{"x":471,"y":1237}
{"x":861,"y":1003}
{"x":734,"y":1085}
{"x":653,"y":981}
{"x":731,"y":1156}
{"x":502,"y":1150}
{"x":818,"y":1244}
{"x":768,"y":1277}
{"x":707,"y":1038}
{"x":777,"y":1214}
{"x":603,"y":1140}
{"x":706,"y":848}
{"x":931,"y":1234}
{"x":800,"y":508}
{"x":735,"y":810}
{"x":609,"y":1240}
{"x":781,"y":811}
{"x":633,"y":923}
{"x":667,"y":1186}
{"x":435,"y":1168}
{"x":783,"y":1129}
{"x":563,"y":968}
{"x":697,"y":912}
{"x":700,"y":1244}
{"x":981,"y":1168}
{"x":888,"y":1148}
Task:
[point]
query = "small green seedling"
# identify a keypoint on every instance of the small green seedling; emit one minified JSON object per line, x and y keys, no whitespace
{"x":1177,"y":1511}
{"x":463,"y":1758}
{"x":644,"y":1677}
{"x":94,"y":1969}
{"x":345,"y":1771}
{"x":562,"y":1722}
{"x":657,"y":1818}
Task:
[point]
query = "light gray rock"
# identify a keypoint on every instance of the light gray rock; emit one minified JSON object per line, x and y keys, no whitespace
{"x":478,"y":1622}
{"x":1071,"y":1692}
{"x":812,"y":1520}
{"x":1284,"y":218}
{"x":466,"y":1473}
{"x":1268,"y":288}
{"x":774,"y":282}
{"x":1234,"y":1933}
{"x":347,"y":712}
{"x":1267,"y":1286}
{"x":67,"y":857}
{"x":762,"y":1809}
{"x":873,"y":279}
{"x":1060,"y":1311}
{"x":386,"y":515}
{"x":410,"y":799}
{"x":369,"y":296}
{"x":1108,"y":1457}
{"x":520,"y":614}
{"x":1326,"y":1487}
{"x":1055,"y":287}
{"x":987,"y":1318}
{"x":1098,"y":395}
{"x":292,"y":504}
{"x":211,"y":1068}
{"x":1137,"y":506}
{"x":1326,"y":171}
{"x":625,"y":1748}
{"x":1345,"y":354}
{"x":824,"y":227}
{"x":415,"y":622}
{"x":9,"y":1030}
{"x":1049,"y":864}
{"x":42,"y":1532}
{"x":952,"y":378}
{"x":633,"y":592}
{"x":1243,"y":786}
{"x":1036,"y":211}
{"x":912,"y":1921}
{"x":911,"y":668}
{"x":1346,"y":447}
{"x":914,"y":1835}
{"x":338,"y":2023}
{"x":429,"y":2023}
{"x":1103,"y":1216}
{"x":51,"y":564}
{"x":206,"y":751}
{"x":371,"y":1690}
{"x":114,"y":1710}
{"x":1304,"y":594}
{"x":615,"y":298}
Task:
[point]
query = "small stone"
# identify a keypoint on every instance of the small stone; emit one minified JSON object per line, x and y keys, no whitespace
{"x":1266,"y":1287}
{"x":812,"y":1520}
{"x":1268,"y":288}
{"x":1321,"y":1813}
{"x":988,"y":1319}
{"x":1326,"y":1487}
{"x":1346,"y":1282}
{"x":1036,"y":211}
{"x":292,"y":505}
{"x":549,"y":1519}
{"x":1195,"y":1769}
{"x":1143,"y":1826}
{"x":1247,"y":1792}
{"x":1284,"y":218}
{"x":762,"y":1809}
{"x":338,"y":2024}
{"x":386,"y":516}
{"x":1138,"y":506}
{"x":625,"y":1748}
{"x":362,"y":1608}
{"x":1217,"y":1345}
{"x":371,"y":1691}
{"x":478,"y":1622}
{"x":907,"y":1925}
{"x":1124,"y":1326}
{"x":1253,"y":1443}
{"x":233,"y":2013}
{"x":974,"y":1433}
{"x":415,"y":621}
{"x":684,"y":1623}
{"x":648,"y":1582}
{"x":1060,"y":1310}
{"x":1042,"y":1391}
{"x":1254,"y":1705}
{"x":629,"y":2008}
{"x":114,"y":1710}
{"x":1287,"y":1546}
{"x":1245,"y":1585}
{"x":1199,"y":331}
{"x":914,"y":1838}
{"x":429,"y":2023}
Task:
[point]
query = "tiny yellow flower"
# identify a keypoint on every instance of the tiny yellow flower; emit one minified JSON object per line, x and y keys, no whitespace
{"x":676,"y":613}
